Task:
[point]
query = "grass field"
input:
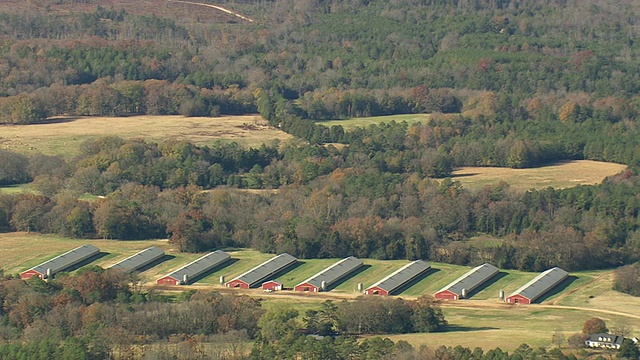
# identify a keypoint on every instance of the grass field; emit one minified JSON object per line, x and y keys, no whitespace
{"x":561,"y":175}
{"x":16,"y":189}
{"x":505,"y":326}
{"x":482,"y":321}
{"x":63,"y":136}
{"x":366,"y":121}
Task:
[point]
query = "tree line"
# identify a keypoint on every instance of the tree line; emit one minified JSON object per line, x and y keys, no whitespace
{"x":120,"y":98}
{"x":323,"y":207}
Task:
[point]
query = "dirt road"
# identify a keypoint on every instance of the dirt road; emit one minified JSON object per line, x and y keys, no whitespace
{"x":215,"y":7}
{"x":479,"y":305}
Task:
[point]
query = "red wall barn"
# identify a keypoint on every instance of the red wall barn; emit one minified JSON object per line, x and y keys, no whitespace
{"x":29,"y":274}
{"x":272,"y":285}
{"x":237,"y":284}
{"x":168,"y":280}
{"x":376,"y":291}
{"x":306,"y":287}
{"x":446,"y":295}
{"x":518,"y":299}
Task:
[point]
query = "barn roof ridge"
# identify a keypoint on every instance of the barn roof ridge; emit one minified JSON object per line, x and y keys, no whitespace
{"x":251,"y":280}
{"x":540,"y":284}
{"x":399,"y":271}
{"x":218,"y":257}
{"x":316,"y":280}
{"x":139,"y":259}
{"x":471,"y":279}
{"x":66,"y":259}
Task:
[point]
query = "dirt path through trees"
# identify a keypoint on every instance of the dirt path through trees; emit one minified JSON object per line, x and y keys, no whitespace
{"x":215,"y":7}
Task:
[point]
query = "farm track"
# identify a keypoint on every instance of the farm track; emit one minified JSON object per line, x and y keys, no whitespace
{"x":214,"y":7}
{"x":479,"y":305}
{"x":565,"y":295}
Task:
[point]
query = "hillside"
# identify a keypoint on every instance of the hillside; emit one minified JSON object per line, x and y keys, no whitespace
{"x":458,"y":132}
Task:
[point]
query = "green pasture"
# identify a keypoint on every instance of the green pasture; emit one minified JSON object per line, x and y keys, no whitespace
{"x":366,"y":121}
{"x":506,"y":327}
{"x":16,"y":189}
{"x":20,"y":251}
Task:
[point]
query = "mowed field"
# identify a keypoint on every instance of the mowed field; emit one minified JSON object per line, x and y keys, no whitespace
{"x":366,"y":121}
{"x":482,"y":321}
{"x":63,"y":136}
{"x":561,"y":175}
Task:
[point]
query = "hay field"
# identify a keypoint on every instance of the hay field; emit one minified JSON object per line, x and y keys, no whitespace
{"x":63,"y":136}
{"x":562,"y":175}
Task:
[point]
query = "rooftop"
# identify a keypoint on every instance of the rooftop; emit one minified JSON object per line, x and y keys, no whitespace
{"x":541,"y":283}
{"x":334,"y":272}
{"x":267,"y":268}
{"x":201,"y":265}
{"x":402,"y":275}
{"x":67,"y":259}
{"x":471,"y":279}
{"x":139,"y":259}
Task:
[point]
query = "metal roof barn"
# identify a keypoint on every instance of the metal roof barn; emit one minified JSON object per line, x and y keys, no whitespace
{"x":538,"y":286}
{"x":263,"y":271}
{"x":61,"y":262}
{"x":462,"y":286}
{"x":197,"y":267}
{"x":398,"y":278}
{"x":322,"y":280}
{"x":136,"y":261}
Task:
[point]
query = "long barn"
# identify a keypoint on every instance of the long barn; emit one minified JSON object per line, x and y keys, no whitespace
{"x":185,"y":274}
{"x":262,"y":272}
{"x":538,"y":286}
{"x":61,"y":262}
{"x":322,"y":280}
{"x":398,"y":278}
{"x":139,"y":260}
{"x":471,"y":280}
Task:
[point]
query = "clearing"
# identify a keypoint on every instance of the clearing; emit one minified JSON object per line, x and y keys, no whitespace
{"x":562,"y":175}
{"x":63,"y":136}
{"x":366,"y":121}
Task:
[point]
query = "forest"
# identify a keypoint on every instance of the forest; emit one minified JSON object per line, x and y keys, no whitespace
{"x":507,"y":83}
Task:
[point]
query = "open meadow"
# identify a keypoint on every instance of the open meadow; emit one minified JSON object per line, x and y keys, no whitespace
{"x":561,"y":175}
{"x":482,"y":321}
{"x":366,"y":121}
{"x":63,"y":136}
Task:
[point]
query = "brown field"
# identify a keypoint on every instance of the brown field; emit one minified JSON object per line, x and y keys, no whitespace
{"x":163,"y":8}
{"x":62,"y":136}
{"x":561,"y":175}
{"x":483,"y":321}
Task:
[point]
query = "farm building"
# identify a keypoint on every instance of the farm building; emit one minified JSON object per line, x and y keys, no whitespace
{"x":538,"y":286}
{"x":398,"y":278}
{"x":471,"y":280}
{"x":61,"y":262}
{"x":136,"y":261}
{"x":322,"y":280}
{"x":271,"y":286}
{"x":263,"y":271}
{"x":195,"y":268}
{"x":605,"y":341}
